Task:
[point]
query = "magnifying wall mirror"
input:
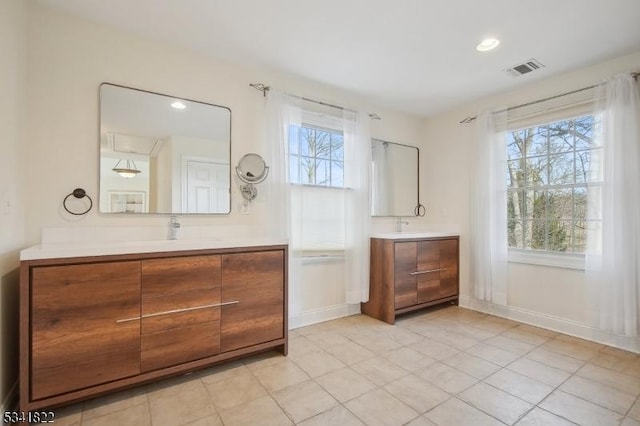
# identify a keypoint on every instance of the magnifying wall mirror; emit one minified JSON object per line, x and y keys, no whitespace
{"x":395,"y":180}
{"x":251,"y":170}
{"x":163,"y":154}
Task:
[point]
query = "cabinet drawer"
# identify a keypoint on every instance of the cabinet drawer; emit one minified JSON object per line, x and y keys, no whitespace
{"x":178,"y":345}
{"x":180,"y":310}
{"x":167,"y":277}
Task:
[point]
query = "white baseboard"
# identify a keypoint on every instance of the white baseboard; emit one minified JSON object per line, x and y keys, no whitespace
{"x":10,"y":401}
{"x":324,"y":314}
{"x":561,"y":325}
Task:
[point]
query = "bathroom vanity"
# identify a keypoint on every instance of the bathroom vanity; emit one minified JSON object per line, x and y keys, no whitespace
{"x":99,"y":318}
{"x":410,"y":271}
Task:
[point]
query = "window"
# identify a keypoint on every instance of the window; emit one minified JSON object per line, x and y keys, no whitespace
{"x":549,"y":168}
{"x":316,"y":156}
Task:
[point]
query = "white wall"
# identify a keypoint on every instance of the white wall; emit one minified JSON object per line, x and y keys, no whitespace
{"x":13,"y":61}
{"x":552,"y":297}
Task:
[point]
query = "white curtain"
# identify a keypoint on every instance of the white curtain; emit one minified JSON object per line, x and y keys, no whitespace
{"x":489,"y":209}
{"x":282,"y":112}
{"x":357,"y":171}
{"x":613,"y":256}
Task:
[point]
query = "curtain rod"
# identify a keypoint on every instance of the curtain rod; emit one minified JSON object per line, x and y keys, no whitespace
{"x":264,"y":89}
{"x":470,"y":119}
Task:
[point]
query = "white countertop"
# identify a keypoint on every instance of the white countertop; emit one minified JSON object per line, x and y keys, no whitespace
{"x":412,"y":235}
{"x":65,"y":250}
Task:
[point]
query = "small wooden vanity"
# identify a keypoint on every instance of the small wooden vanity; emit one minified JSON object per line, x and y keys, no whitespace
{"x":94,"y":324}
{"x":410,"y":272}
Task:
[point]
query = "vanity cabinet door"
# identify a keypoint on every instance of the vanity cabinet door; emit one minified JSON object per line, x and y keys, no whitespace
{"x":253,"y":287}
{"x":405,"y":292}
{"x":180,"y":310}
{"x":78,"y":336}
{"x":437,"y":269}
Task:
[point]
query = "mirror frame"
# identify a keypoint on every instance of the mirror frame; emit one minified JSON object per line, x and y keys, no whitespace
{"x":228,"y":212}
{"x":419,"y":209}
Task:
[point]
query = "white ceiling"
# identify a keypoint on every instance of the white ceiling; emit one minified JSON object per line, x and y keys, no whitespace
{"x":414,"y":55}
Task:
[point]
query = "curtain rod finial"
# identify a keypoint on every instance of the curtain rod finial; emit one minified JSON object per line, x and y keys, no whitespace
{"x":261,"y":87}
{"x":375,"y":116}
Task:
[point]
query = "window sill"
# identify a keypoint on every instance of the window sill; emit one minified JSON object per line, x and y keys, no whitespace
{"x":542,"y":258}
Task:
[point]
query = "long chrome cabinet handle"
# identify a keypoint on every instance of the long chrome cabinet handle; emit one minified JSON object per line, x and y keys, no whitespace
{"x":175,"y":311}
{"x":426,"y":272}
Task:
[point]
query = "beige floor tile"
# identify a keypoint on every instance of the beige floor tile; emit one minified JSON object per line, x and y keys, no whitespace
{"x":417,"y":393}
{"x":635,"y":410}
{"x":598,"y":393}
{"x":540,"y":372}
{"x":133,"y":416}
{"x":379,"y":370}
{"x":304,"y":400}
{"x":453,"y":339}
{"x":409,"y":359}
{"x":264,"y":359}
{"x":188,"y":403}
{"x":579,"y":341}
{"x":492,"y":354}
{"x":350,"y":353}
{"x":378,"y":407}
{"x":494,"y":324}
{"x":212,"y":420}
{"x":325,"y":339}
{"x":614,"y":359}
{"x":518,"y":385}
{"x":537,"y":330}
{"x":515,"y":346}
{"x":345,"y":384}
{"x":404,"y":336}
{"x":473,"y":366}
{"x":628,"y":421}
{"x":235,"y":391}
{"x":573,"y":350}
{"x":301,"y":346}
{"x":475,"y":333}
{"x":435,"y":350}
{"x":223,"y":371}
{"x":281,"y":375}
{"x":456,"y":412}
{"x":554,"y":359}
{"x":421,"y":421}
{"x":70,"y":415}
{"x":624,"y":382}
{"x":579,"y":411}
{"x":499,"y":404}
{"x":377,"y":342}
{"x":336,"y":416}
{"x":113,"y":402}
{"x":318,"y":363}
{"x":447,"y":378}
{"x":539,"y":417}
{"x":262,"y":411}
{"x":522,"y":335}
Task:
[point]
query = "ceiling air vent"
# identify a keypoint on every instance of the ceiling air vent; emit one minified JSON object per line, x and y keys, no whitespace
{"x":524,"y":68}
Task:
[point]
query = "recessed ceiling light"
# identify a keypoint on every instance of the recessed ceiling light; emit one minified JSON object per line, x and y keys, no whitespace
{"x":487,"y":44}
{"x":178,"y":105}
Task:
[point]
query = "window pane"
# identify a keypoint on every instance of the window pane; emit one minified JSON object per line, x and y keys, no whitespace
{"x":323,"y":176}
{"x":559,"y":236}
{"x":584,"y":132}
{"x":537,"y":171}
{"x":337,"y":173}
{"x":560,"y":204}
{"x":323,"y":144}
{"x":515,"y":205}
{"x":294,"y":139}
{"x":561,"y":169}
{"x":579,"y":236}
{"x":515,"y":145}
{"x":580,"y":203}
{"x":307,"y":141}
{"x":560,"y":136}
{"x":337,"y":147}
{"x":535,"y":204}
{"x":515,"y":173}
{"x":536,"y":140}
{"x":307,"y":170}
{"x":535,"y":235}
{"x":583,"y":166}
{"x":515,"y":233}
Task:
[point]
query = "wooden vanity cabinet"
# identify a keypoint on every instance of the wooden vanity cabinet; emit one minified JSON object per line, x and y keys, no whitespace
{"x":411,"y":274}
{"x":92,"y":325}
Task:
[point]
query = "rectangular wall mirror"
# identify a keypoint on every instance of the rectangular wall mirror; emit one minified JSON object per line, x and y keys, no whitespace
{"x":163,"y":154}
{"x":394,"y":179}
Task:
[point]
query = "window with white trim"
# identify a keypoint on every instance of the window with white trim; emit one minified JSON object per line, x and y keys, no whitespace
{"x":316,"y":156}
{"x":548,"y":173}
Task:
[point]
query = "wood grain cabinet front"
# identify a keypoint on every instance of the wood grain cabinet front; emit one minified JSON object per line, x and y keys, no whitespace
{"x":410,"y":275}
{"x":79,"y":333}
{"x":92,"y":325}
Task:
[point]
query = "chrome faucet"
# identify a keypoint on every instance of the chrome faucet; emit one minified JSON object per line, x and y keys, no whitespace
{"x":399,"y":223}
{"x":174,"y":225}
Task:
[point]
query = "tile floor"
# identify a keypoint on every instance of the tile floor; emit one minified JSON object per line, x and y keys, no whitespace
{"x":448,"y":366}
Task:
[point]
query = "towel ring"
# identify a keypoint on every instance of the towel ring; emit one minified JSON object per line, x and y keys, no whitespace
{"x":420,"y":210}
{"x":78,"y":193}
